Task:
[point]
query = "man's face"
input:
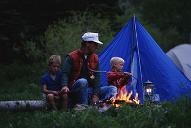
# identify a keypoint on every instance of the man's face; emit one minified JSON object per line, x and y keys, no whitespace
{"x":91,"y":47}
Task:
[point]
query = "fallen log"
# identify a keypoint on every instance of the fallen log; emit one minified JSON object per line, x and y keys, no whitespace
{"x":23,"y":105}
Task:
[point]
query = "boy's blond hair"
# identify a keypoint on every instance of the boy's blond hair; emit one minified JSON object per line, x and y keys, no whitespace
{"x":115,"y":60}
{"x":54,"y":59}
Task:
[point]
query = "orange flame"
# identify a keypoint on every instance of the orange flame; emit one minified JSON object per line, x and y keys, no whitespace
{"x":123,"y":95}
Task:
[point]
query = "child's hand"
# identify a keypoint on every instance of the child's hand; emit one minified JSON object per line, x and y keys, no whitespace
{"x":65,"y":89}
{"x":128,"y":73}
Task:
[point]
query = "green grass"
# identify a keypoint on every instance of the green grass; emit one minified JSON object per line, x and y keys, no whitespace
{"x":20,"y":91}
{"x":20,"y":81}
{"x":167,"y":115}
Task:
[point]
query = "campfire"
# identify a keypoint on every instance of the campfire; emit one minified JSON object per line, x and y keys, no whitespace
{"x":123,"y":97}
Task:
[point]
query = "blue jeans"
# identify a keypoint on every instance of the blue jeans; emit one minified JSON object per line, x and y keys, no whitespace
{"x":107,"y":92}
{"x":80,"y":92}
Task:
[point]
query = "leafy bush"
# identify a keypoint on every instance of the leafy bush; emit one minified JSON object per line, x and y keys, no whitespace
{"x":65,"y":35}
{"x":20,"y":81}
{"x":32,"y":51}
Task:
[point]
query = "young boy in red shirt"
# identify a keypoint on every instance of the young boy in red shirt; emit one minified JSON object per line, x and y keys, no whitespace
{"x":116,"y":76}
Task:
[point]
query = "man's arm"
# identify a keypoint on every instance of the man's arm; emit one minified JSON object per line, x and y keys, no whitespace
{"x":66,"y":69}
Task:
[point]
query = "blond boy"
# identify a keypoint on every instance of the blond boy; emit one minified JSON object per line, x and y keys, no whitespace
{"x":51,"y":84}
{"x":116,"y":76}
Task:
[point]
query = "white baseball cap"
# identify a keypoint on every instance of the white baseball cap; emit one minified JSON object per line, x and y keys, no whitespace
{"x":90,"y":36}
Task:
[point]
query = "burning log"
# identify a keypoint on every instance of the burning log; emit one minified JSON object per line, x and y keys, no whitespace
{"x":107,"y":104}
{"x":118,"y":103}
{"x":122,"y":98}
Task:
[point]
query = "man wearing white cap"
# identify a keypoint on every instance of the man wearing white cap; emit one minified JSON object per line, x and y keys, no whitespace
{"x":79,"y":78}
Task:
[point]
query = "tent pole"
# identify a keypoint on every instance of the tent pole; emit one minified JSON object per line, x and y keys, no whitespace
{"x":138,"y":51}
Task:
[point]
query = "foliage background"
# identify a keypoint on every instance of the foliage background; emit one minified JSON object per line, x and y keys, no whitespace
{"x":27,"y":27}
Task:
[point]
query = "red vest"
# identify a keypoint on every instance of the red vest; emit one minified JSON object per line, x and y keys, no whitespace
{"x":77,"y":62}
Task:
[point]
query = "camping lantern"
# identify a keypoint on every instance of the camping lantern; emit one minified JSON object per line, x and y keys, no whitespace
{"x":148,"y":90}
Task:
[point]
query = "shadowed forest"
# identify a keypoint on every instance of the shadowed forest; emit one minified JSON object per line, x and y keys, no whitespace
{"x":30,"y":21}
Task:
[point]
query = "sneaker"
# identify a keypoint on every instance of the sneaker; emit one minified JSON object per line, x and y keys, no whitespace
{"x":80,"y":107}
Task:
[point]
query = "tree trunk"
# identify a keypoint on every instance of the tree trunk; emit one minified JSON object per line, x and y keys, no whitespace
{"x":23,"y":105}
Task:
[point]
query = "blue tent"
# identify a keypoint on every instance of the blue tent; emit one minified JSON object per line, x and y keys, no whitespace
{"x":146,"y":61}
